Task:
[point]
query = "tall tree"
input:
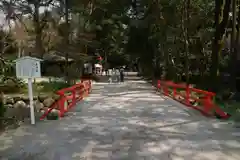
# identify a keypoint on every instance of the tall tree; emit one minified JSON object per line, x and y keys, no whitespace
{"x":222,"y":9}
{"x":17,"y":10}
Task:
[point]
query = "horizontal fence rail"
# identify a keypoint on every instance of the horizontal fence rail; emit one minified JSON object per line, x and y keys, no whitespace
{"x":192,"y":97}
{"x":69,"y":98}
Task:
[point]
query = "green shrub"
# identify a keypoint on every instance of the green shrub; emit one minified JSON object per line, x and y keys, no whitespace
{"x":52,"y":86}
{"x":2,"y":108}
{"x":11,"y":85}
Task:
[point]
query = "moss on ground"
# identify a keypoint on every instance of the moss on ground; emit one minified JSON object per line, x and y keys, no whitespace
{"x":233,"y":108}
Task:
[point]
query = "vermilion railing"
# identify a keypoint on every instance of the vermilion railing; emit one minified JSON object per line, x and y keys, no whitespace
{"x":69,"y":97}
{"x":190,"y":96}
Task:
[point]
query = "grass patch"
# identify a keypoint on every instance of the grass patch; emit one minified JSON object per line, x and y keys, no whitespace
{"x":42,"y":87}
{"x":229,"y":104}
{"x":50,"y":86}
{"x":233,"y":108}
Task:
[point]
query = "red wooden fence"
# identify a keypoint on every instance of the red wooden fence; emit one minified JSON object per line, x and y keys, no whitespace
{"x":69,"y":96}
{"x":185,"y":94}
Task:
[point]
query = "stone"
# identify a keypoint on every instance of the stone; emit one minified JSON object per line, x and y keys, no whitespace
{"x":35,"y":98}
{"x":17,"y":98}
{"x":25,"y":99}
{"x":178,"y":97}
{"x":48,"y":102}
{"x":44,"y":109}
{"x":55,"y":111}
{"x":9,"y":100}
{"x":56,"y":97}
{"x":8,"y":106}
{"x":53,"y":115}
{"x":23,"y":113}
{"x":20,"y":104}
{"x":18,"y":113}
{"x":42,"y":97}
{"x":4,"y":88}
{"x":2,"y":99}
{"x":10,"y":83}
{"x":38,"y":106}
{"x":10,"y":112}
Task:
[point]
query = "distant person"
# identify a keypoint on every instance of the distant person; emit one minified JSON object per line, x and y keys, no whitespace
{"x":122,"y":74}
{"x":118,"y":75}
{"x":112,"y":76}
{"x":110,"y":79}
{"x":106,"y":71}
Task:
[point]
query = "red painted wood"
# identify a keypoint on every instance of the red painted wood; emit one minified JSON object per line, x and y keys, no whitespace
{"x":71,"y":94}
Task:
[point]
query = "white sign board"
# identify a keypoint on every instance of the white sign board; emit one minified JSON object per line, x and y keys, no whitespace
{"x":28,"y":67}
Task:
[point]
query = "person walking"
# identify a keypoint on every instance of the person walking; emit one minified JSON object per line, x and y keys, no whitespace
{"x":122,"y":74}
{"x":117,"y":75}
{"x":112,"y":76}
{"x":106,"y":72}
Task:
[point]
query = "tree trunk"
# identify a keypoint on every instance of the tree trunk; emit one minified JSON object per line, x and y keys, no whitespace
{"x":166,"y":63}
{"x":221,"y":21}
{"x":67,"y":39}
{"x":238,"y":51}
{"x":39,"y":50}
{"x":184,"y":27}
{"x":233,"y":46}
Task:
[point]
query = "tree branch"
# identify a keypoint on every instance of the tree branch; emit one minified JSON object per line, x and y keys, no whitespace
{"x":46,"y":4}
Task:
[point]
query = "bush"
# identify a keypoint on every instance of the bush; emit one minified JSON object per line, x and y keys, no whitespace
{"x":52,"y":86}
{"x":11,"y":85}
{"x":2,"y":108}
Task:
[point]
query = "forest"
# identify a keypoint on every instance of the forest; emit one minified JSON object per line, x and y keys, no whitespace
{"x":190,"y":41}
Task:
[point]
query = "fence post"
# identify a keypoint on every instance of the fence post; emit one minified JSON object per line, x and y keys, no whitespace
{"x":82,"y":92}
{"x":187,"y":95}
{"x":90,"y":86}
{"x":174,"y":92}
{"x":87,"y":87}
{"x":74,"y":96}
{"x":158,"y":84}
{"x":207,"y":104}
{"x":77,"y":94}
{"x":61,"y":106}
{"x":165,"y":90}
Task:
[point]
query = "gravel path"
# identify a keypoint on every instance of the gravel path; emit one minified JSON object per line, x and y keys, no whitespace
{"x":124,"y":122}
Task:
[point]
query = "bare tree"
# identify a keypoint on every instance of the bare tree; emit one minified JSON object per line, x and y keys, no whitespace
{"x":17,"y":10}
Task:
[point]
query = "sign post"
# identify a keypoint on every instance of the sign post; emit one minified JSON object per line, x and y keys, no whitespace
{"x":30,"y":94}
{"x":29,"y":67}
